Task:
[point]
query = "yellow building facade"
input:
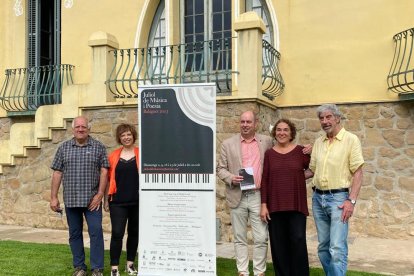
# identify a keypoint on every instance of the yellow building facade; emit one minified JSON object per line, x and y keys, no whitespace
{"x":281,"y":58}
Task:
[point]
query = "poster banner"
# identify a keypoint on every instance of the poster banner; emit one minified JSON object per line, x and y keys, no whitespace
{"x":177,"y":130}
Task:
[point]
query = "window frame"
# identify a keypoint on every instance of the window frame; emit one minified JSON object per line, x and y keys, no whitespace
{"x":269,"y":35}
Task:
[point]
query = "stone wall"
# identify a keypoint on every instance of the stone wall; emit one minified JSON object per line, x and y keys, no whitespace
{"x":385,"y":205}
{"x":386,"y":201}
{"x":25,"y":188}
{"x":5,"y":124}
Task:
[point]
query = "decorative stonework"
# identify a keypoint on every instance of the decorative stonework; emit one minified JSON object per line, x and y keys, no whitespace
{"x":18,"y":8}
{"x":68,"y":4}
{"x":5,"y":124}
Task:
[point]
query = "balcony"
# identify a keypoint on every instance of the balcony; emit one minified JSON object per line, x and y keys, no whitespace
{"x":25,"y":89}
{"x":272,"y":81}
{"x":204,"y":61}
{"x":401,"y":75}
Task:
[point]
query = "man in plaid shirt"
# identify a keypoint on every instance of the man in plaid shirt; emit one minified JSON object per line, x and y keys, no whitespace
{"x":81,"y":164}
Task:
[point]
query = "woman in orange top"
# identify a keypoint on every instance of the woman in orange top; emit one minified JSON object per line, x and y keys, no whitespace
{"x":121,"y":199}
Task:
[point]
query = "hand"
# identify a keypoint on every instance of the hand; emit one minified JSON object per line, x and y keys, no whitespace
{"x":347,"y":210}
{"x":55,"y":205}
{"x":264,"y":214}
{"x":106,"y":205}
{"x":307,"y":149}
{"x":236,"y":179}
{"x":96,"y":202}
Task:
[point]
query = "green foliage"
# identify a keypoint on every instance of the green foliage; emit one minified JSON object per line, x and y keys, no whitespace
{"x":19,"y":258}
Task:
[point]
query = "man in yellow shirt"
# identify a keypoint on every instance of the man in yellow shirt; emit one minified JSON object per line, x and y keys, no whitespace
{"x":336,"y":162}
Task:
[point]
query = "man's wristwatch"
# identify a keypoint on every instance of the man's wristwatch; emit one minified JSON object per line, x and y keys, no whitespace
{"x":353,"y":201}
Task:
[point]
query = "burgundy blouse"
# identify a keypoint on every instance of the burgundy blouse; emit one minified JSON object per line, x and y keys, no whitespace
{"x":283,"y":185}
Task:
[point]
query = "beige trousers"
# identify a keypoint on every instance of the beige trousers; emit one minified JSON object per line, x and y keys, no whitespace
{"x":249,"y":208}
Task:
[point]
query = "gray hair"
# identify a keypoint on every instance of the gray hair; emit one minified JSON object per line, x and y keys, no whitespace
{"x":87,"y":121}
{"x":329,"y":107}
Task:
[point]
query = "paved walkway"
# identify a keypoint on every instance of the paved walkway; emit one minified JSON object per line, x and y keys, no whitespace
{"x":385,"y":256}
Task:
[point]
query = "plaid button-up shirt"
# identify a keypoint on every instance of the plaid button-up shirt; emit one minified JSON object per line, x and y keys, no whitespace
{"x":81,"y":168}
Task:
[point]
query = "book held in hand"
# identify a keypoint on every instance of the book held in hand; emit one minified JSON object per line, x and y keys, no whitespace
{"x":248,"y":180}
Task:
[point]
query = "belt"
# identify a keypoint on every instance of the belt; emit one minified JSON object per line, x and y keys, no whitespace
{"x":333,"y":191}
{"x":249,"y":192}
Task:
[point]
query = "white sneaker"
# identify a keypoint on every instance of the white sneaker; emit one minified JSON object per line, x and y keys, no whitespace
{"x":130,"y":269}
{"x":115,"y":272}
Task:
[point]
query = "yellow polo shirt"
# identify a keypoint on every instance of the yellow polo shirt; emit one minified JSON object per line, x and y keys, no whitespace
{"x":333,"y":164}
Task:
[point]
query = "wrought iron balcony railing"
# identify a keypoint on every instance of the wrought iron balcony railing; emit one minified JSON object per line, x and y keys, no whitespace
{"x":25,"y":89}
{"x":204,"y":61}
{"x":272,"y":81}
{"x":401,"y":75}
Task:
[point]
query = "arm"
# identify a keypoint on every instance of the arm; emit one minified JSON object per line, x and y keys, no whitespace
{"x":106,"y":198}
{"x":356,"y":183}
{"x":223,"y":169}
{"x":307,"y":149}
{"x":347,"y":207}
{"x":97,"y":199}
{"x":308,"y":173}
{"x":112,"y":165}
{"x":54,"y":200}
{"x":264,"y":213}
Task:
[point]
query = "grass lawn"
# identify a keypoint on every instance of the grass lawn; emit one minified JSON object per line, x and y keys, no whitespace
{"x":19,"y":258}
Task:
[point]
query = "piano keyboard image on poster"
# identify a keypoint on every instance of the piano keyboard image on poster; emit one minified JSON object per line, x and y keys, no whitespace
{"x":177,"y":138}
{"x":178,"y":181}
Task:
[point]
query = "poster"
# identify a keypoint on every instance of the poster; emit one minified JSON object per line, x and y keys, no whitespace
{"x":177,"y":180}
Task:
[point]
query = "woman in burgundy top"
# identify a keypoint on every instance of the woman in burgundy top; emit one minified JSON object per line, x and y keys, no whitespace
{"x":284,"y":203}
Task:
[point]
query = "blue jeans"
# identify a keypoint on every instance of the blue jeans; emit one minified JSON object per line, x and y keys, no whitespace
{"x":332,"y":232}
{"x":94,"y":220}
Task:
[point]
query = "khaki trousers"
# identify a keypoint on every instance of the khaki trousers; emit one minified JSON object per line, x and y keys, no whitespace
{"x":249,"y":208}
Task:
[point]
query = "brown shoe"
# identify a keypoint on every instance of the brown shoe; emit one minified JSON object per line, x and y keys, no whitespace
{"x":79,"y":271}
{"x":261,"y":274}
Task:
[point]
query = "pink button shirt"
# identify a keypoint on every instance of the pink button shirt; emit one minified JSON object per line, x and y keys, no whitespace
{"x":251,"y":158}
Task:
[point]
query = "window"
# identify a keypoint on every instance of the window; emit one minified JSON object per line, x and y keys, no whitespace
{"x":43,"y":32}
{"x":157,"y":33}
{"x":157,"y":53}
{"x":43,"y":52}
{"x":207,"y":21}
{"x":205,"y":41}
{"x":260,"y":7}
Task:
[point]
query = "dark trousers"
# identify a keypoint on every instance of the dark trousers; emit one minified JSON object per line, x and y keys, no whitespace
{"x":287,"y":234}
{"x":120,"y":215}
{"x":94,"y":220}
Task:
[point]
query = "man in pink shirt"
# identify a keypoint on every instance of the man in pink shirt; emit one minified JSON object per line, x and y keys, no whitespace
{"x":245,"y":151}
